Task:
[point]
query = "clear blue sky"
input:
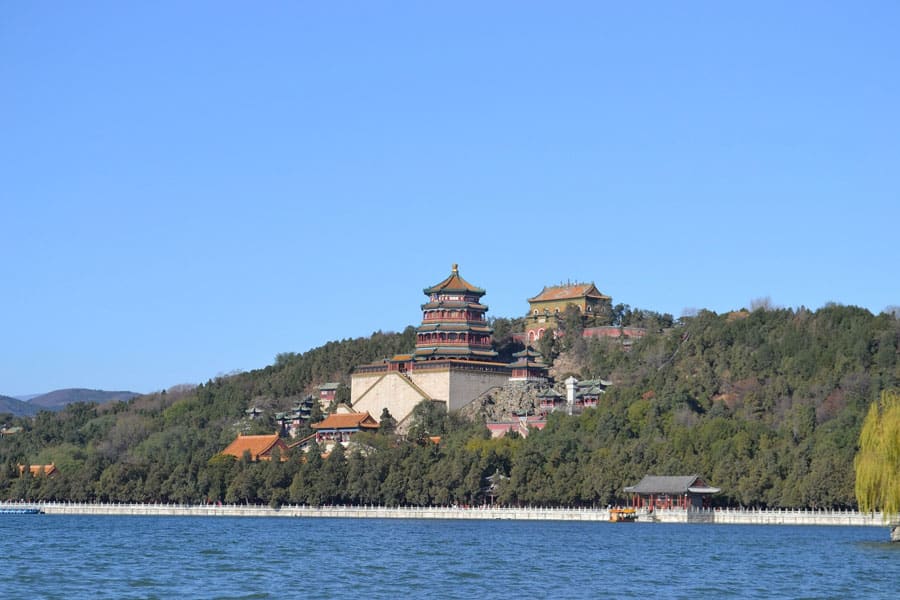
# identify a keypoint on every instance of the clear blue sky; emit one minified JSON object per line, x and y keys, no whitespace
{"x":190,"y":188}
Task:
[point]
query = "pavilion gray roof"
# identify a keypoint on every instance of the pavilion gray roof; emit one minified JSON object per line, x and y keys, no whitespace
{"x":602,"y":384}
{"x":671,"y":484}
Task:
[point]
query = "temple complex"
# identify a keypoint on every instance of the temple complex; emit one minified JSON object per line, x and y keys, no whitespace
{"x":453,"y":361}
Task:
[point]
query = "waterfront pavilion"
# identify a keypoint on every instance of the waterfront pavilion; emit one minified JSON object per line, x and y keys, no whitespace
{"x":668,"y":491}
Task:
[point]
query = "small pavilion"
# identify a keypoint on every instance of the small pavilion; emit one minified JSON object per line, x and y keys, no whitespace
{"x":679,"y":491}
{"x":529,"y":366}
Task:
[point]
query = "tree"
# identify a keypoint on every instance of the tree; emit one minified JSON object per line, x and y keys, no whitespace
{"x":878,"y":460}
{"x":387,"y":423}
{"x":549,"y":346}
{"x":342,"y":395}
{"x":428,"y":418}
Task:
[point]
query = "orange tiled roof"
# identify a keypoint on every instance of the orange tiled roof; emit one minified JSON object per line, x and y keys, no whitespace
{"x":38,"y":470}
{"x":347,"y":421}
{"x":454,"y":283}
{"x":569,"y":292}
{"x":257,"y":445}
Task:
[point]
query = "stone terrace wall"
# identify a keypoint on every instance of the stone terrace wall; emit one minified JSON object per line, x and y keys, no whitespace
{"x":726,"y":516}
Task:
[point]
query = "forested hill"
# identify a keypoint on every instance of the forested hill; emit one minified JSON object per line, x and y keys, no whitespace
{"x":17,"y":407}
{"x":57,"y":399}
{"x":766,"y":405}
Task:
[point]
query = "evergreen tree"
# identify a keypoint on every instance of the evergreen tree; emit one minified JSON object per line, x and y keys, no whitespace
{"x":387,"y":423}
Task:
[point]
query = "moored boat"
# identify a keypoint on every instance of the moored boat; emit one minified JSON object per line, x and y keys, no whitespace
{"x":622,"y":515}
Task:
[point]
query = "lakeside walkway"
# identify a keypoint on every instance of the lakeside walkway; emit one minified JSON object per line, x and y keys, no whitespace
{"x":736,"y":516}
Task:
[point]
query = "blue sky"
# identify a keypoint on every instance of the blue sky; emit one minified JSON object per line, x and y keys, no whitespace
{"x":190,"y":188}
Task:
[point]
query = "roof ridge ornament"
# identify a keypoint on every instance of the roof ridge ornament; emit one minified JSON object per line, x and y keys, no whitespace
{"x":455,"y":269}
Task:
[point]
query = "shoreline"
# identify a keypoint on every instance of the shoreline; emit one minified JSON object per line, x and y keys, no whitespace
{"x":730,"y":516}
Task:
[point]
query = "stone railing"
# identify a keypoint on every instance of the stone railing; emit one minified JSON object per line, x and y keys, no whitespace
{"x":738,"y":516}
{"x":749,"y":516}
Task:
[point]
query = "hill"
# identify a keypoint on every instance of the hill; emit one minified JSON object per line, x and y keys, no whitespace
{"x":765,"y":404}
{"x":15,"y":407}
{"x":58,"y":399}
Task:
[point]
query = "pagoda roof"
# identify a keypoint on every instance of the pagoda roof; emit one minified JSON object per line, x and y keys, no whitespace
{"x":593,"y":383}
{"x":454,"y":304}
{"x":452,"y":351}
{"x":592,"y":391}
{"x":529,"y":352}
{"x":571,"y":291}
{"x":524,"y":362}
{"x":361,"y":420}
{"x":454,"y":326}
{"x":454,"y":283}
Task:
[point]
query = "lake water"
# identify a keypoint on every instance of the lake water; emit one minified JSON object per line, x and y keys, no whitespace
{"x":47,"y":556}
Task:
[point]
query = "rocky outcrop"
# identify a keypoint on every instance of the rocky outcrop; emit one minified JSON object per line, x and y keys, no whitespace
{"x":504,"y":403}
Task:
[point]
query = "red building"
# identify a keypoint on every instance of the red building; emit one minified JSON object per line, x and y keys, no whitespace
{"x":529,"y":366}
{"x":550,"y":400}
{"x":521,"y":425}
{"x":328,"y":392}
{"x":611,"y":331}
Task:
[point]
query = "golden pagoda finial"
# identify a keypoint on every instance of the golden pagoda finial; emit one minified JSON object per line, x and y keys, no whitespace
{"x":455,"y":269}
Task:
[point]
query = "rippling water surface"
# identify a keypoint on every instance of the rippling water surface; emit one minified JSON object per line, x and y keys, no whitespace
{"x":47,"y":556}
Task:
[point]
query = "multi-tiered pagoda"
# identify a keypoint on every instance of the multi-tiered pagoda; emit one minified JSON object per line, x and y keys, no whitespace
{"x":453,"y":361}
{"x":453,"y":322}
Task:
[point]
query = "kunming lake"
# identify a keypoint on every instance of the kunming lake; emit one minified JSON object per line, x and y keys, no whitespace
{"x":52,"y":556}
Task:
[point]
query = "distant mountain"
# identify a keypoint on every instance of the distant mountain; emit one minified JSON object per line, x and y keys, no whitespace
{"x":58,"y":399}
{"x":16,"y":407}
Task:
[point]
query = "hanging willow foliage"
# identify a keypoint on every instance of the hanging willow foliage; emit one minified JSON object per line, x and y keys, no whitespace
{"x":878,"y":460}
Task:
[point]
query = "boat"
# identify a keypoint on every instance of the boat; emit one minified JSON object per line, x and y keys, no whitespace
{"x":622,"y":515}
{"x":20,"y":511}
